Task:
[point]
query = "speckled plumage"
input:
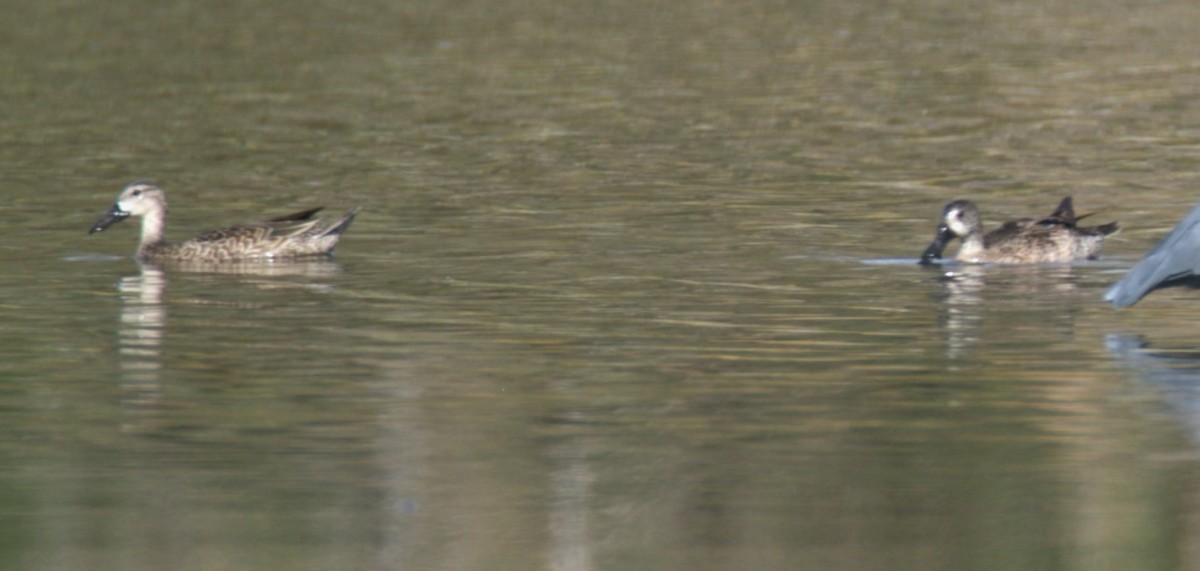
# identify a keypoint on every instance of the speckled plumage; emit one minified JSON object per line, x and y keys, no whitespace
{"x":1056,"y":238}
{"x":290,"y":236}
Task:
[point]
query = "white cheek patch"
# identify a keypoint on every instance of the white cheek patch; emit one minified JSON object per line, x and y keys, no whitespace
{"x":954,"y":221}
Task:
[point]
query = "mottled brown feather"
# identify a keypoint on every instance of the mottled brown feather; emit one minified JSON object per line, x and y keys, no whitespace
{"x":1055,"y":238}
{"x":292,"y":235}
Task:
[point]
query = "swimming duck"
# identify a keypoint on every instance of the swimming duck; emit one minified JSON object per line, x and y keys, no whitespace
{"x":1055,"y":238}
{"x":289,"y":236}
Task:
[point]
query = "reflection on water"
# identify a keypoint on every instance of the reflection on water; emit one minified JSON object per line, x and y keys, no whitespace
{"x":960,"y":311}
{"x":1174,"y":374}
{"x":572,"y":480}
{"x":321,"y":267}
{"x":143,"y":318}
{"x":967,"y":291}
{"x":609,"y":311}
{"x":140,"y":338}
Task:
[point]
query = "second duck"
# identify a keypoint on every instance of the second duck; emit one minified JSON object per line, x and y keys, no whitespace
{"x":1056,"y":238}
{"x":290,"y":236}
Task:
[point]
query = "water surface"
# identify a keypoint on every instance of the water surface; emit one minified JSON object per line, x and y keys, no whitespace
{"x":634,"y":287}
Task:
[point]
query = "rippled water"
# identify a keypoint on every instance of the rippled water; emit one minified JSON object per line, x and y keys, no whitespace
{"x":634,"y":287}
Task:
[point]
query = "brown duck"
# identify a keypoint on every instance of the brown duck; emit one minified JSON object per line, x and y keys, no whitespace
{"x":1055,"y":238}
{"x":291,"y":236}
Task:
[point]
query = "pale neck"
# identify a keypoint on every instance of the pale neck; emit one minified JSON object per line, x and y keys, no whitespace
{"x":152,"y":228}
{"x":972,"y":247}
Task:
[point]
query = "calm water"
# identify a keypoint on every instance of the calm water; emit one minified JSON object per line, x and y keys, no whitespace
{"x":633,"y":287}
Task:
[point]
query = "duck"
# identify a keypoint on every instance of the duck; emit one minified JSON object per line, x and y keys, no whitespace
{"x":290,"y":236}
{"x":1055,"y":238}
{"x":1175,"y":261}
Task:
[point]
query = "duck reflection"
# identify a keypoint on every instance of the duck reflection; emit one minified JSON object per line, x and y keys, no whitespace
{"x":960,"y":315}
{"x":1174,"y":374}
{"x":314,"y":267}
{"x":143,"y":322}
{"x":966,"y":291}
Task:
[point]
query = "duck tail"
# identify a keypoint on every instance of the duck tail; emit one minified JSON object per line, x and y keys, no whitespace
{"x":341,"y":224}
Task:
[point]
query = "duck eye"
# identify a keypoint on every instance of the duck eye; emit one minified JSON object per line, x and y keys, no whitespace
{"x":137,"y":192}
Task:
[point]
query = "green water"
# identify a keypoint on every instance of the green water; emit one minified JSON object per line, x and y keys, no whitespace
{"x":633,"y":287}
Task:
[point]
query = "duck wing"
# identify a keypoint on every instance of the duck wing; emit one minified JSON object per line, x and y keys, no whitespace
{"x":1064,"y":215}
{"x":281,"y":227}
{"x":302,"y":215}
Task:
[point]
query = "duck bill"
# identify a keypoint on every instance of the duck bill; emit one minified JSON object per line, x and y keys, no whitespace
{"x":114,"y":215}
{"x":941,"y":238}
